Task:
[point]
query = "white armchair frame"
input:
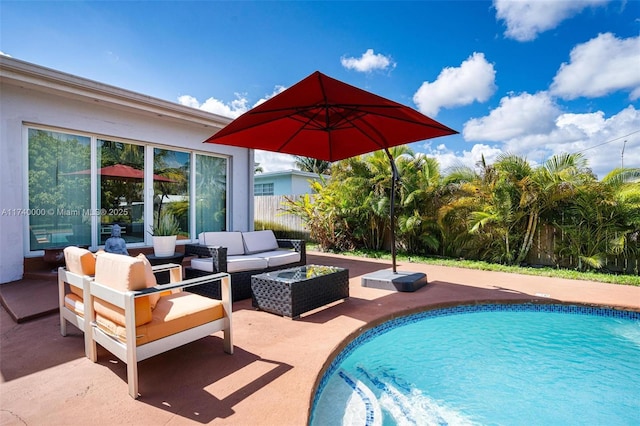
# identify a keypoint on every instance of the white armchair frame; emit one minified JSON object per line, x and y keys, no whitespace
{"x":66,"y":314}
{"x":129,"y":352}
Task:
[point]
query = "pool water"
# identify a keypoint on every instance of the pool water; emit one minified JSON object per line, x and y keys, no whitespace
{"x":489,"y":364}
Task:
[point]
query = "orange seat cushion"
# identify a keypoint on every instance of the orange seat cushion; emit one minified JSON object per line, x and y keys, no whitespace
{"x":174,"y":313}
{"x":74,"y":303}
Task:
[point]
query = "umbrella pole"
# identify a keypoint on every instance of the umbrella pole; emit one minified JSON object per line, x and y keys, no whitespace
{"x":394,"y":180}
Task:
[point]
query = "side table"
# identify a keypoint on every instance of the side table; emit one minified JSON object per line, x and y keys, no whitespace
{"x":163,"y":277}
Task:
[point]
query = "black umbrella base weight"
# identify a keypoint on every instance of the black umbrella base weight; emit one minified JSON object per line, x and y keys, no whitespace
{"x":398,"y":281}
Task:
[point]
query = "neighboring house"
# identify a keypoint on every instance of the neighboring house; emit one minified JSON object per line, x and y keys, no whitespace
{"x":77,"y":156}
{"x":289,"y":182}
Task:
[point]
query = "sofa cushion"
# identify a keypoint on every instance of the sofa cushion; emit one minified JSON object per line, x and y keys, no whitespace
{"x":173,"y":313}
{"x":279,"y":257}
{"x":231,"y":240}
{"x":122,"y":273}
{"x":259,"y":241}
{"x":234,"y":263}
{"x":245,"y":263}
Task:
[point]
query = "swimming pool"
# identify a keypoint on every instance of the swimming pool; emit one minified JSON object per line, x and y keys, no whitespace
{"x":488,"y":364}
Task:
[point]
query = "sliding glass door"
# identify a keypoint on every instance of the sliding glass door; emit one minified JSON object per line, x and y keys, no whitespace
{"x":171,"y":187}
{"x":80,"y":186}
{"x":121,"y":190}
{"x":59,"y":208}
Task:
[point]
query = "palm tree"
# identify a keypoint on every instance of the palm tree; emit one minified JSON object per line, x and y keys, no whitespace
{"x":556,"y":180}
{"x":461,"y":195}
{"x":421,"y":194}
{"x":494,"y":219}
{"x":312,"y":165}
{"x":602,"y":219}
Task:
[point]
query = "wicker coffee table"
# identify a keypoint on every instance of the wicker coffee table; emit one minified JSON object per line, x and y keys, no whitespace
{"x":292,"y":292}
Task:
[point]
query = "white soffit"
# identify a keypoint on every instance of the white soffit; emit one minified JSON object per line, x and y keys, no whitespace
{"x":31,"y":76}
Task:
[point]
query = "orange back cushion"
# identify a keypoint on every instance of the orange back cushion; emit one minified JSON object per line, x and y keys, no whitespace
{"x":122,"y":273}
{"x":79,"y":261}
{"x":150,"y":280}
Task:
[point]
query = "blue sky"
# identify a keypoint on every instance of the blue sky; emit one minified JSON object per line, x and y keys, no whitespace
{"x":532,"y":78}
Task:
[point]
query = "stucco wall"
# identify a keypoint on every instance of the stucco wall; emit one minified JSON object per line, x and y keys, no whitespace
{"x":300,"y":185}
{"x":20,"y":105}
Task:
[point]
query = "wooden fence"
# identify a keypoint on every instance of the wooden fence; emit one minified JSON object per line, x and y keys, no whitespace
{"x":543,"y":252}
{"x":268,"y":212}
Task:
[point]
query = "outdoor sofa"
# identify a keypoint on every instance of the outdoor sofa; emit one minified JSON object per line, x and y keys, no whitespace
{"x":241,"y":254}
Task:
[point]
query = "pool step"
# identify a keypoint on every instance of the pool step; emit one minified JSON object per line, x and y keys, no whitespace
{"x":396,"y":402}
{"x":407,"y":405}
{"x":348,"y":401}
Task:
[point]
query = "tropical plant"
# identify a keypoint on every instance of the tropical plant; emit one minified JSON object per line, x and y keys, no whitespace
{"x":601,"y":220}
{"x":544,"y":190}
{"x":321,"y":214}
{"x":312,"y":165}
{"x":166,"y":225}
{"x":493,"y":212}
{"x":421,"y":193}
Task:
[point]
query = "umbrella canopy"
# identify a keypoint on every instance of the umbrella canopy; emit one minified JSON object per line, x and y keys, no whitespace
{"x":327,"y":119}
{"x":324,"y":118}
{"x":122,"y":171}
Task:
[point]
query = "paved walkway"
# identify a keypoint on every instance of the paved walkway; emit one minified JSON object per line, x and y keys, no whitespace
{"x":271,"y":377}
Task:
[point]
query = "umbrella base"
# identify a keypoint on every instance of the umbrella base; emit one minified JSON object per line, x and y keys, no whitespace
{"x":399,"y":281}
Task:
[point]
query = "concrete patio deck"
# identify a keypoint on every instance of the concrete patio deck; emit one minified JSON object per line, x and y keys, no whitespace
{"x":271,"y":377}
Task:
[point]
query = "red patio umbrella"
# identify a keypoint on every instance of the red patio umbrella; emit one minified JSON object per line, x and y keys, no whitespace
{"x":324,"y":118}
{"x":122,"y":171}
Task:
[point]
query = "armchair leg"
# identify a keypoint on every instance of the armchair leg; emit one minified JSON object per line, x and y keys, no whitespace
{"x":228,"y":341}
{"x":90,"y":347}
{"x":63,"y":321}
{"x":132,"y":380}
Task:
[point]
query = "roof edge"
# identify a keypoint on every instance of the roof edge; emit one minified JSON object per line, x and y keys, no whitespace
{"x":50,"y":80}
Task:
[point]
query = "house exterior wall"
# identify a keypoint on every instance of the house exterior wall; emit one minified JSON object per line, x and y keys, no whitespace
{"x":300,"y":184}
{"x":60,"y":105}
{"x":290,"y":182}
{"x":281,"y":185}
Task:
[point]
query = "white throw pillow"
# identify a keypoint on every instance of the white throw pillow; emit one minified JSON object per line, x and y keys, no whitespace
{"x":259,"y":241}
{"x":231,"y":240}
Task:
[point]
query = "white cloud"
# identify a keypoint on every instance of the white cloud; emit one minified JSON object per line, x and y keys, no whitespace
{"x":599,"y":139}
{"x":473,"y":80}
{"x":269,"y":161}
{"x":368,"y":62}
{"x":274,"y":161}
{"x":525,"y":19}
{"x":236,"y":108}
{"x":516,"y":116}
{"x":276,"y":90}
{"x":533,"y":127}
{"x":449,"y":159}
{"x":600,"y":66}
{"x":233,"y":109}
